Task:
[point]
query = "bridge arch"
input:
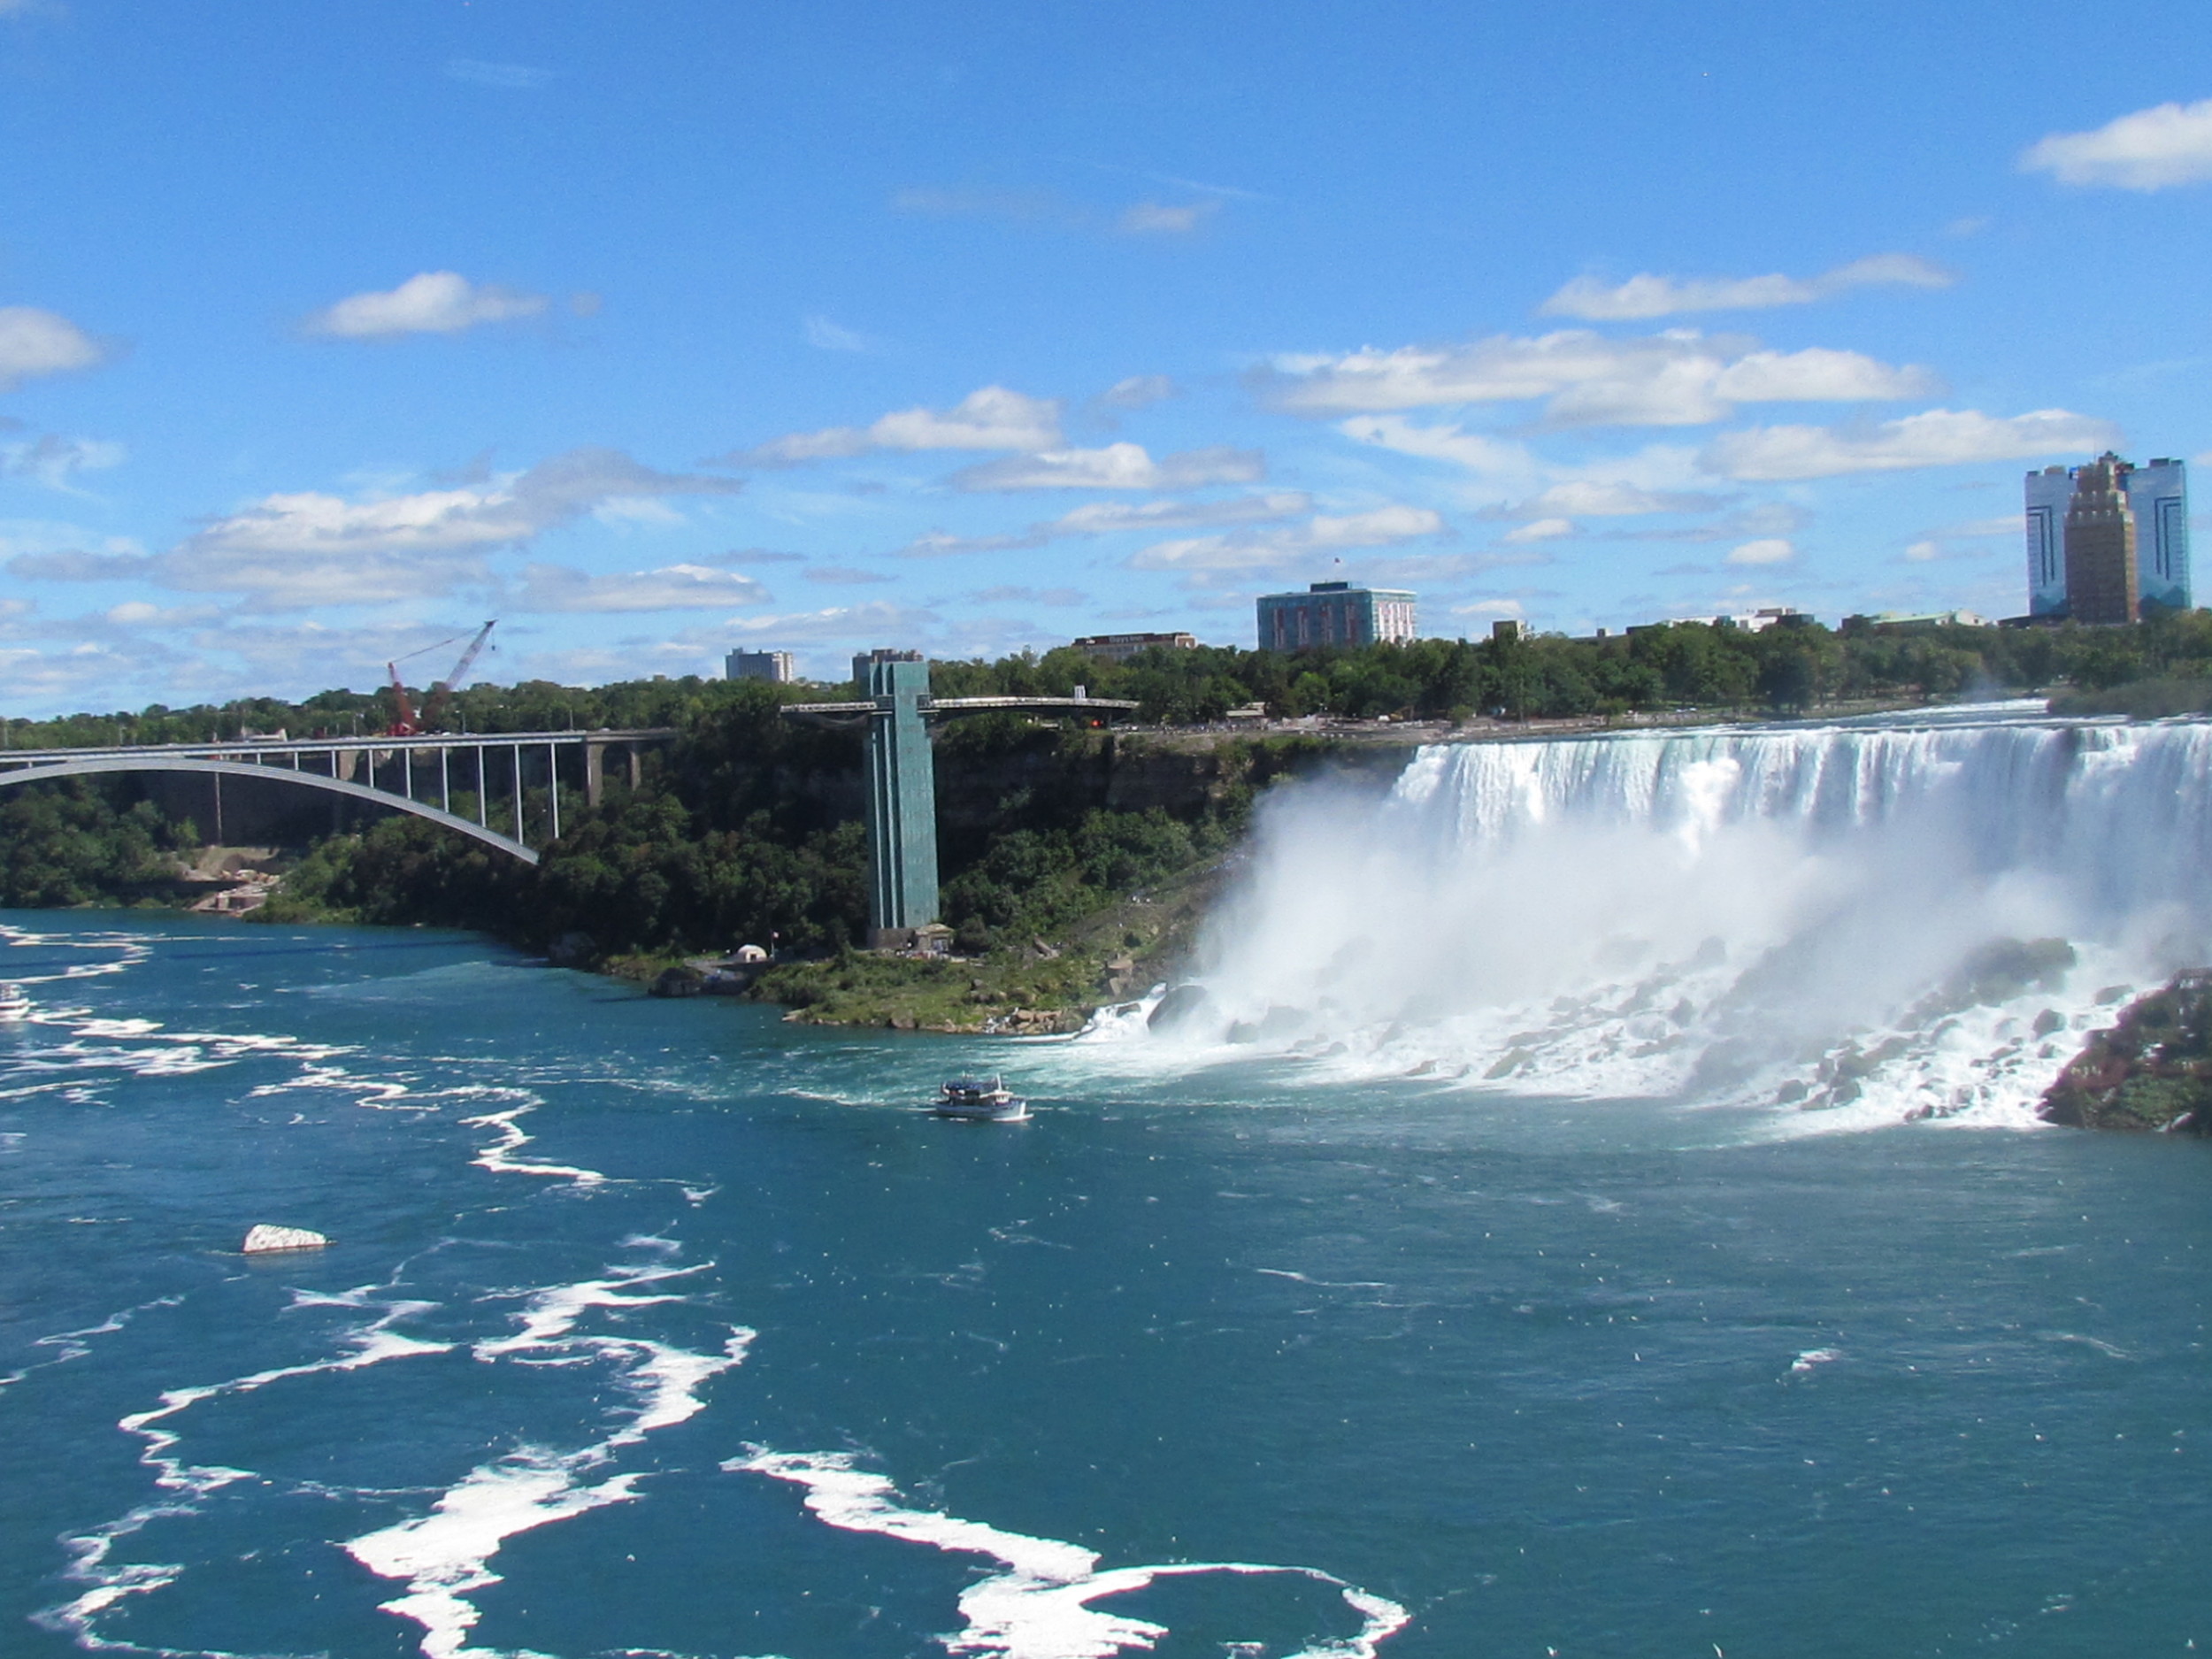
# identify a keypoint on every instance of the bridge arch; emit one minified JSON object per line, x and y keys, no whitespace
{"x":90,"y":765}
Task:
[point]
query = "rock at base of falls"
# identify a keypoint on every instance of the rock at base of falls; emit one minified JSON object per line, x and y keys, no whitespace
{"x":2152,"y":1069}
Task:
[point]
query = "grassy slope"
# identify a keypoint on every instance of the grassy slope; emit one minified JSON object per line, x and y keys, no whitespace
{"x":1013,"y":991}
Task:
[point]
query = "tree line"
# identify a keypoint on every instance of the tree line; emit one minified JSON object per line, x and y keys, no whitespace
{"x":741,"y":828}
{"x":1695,"y":665}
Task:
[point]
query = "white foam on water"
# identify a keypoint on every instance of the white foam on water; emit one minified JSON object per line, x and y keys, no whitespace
{"x":1833,"y":928}
{"x":130,"y":949}
{"x":445,"y":1556}
{"x":110,"y":1582}
{"x":1040,"y":1608}
{"x":1812,"y":1357}
{"x":499,"y":1157}
{"x":74,"y":1345}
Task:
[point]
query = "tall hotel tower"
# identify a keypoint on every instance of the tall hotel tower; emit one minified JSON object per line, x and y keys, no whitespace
{"x":2156,"y":498}
{"x":2102,"y":580}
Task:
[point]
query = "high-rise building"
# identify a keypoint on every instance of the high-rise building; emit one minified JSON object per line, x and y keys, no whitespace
{"x":2159,"y":493}
{"x":864,"y":664}
{"x":2102,"y":580}
{"x":1335,"y":613}
{"x":2048,"y":493}
{"x":2158,"y":498}
{"x":775,"y":665}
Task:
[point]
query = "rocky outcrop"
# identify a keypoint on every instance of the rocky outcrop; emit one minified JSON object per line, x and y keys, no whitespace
{"x":1036,"y":1022}
{"x":2153,"y":1071}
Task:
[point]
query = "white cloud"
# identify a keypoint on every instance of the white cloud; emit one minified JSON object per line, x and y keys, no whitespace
{"x":1613,"y":498}
{"x":137,"y":613}
{"x":845,"y":575}
{"x":76,"y":564}
{"x":1275,"y":549}
{"x":1938,"y":437}
{"x":1104,"y":517}
{"x":1678,"y":378}
{"x":990,"y":417}
{"x":1819,"y":375}
{"x":1485,"y":456}
{"x":825,"y":335}
{"x":1767,"y":550}
{"x":1541,"y":530}
{"x":53,"y":461}
{"x":433,"y":303}
{"x":1644,"y":296}
{"x":51,"y":681}
{"x":1924,"y":552}
{"x":1116,"y":466}
{"x":311,"y":547}
{"x":34,"y":342}
{"x":2149,"y":150}
{"x":1138,"y":391}
{"x":556,"y":587}
{"x":1108,"y":517}
{"x":1617,"y":486}
{"x":1155,"y":219}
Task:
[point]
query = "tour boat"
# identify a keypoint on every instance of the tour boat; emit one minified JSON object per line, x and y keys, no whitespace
{"x":973,"y":1100}
{"x":13,"y":1003}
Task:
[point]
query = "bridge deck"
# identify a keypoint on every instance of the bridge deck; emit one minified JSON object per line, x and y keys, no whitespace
{"x":381,"y":770}
{"x":254,"y":747}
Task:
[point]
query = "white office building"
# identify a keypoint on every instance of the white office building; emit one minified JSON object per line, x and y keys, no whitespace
{"x":775,"y":665}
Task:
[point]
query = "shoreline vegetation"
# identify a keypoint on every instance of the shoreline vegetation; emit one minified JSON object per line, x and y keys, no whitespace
{"x":1078,"y":863}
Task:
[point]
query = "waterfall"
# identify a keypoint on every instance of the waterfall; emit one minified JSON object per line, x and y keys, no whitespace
{"x":1875,"y":920}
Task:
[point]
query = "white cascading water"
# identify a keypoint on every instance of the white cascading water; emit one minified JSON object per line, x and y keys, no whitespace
{"x":1869,"y":921}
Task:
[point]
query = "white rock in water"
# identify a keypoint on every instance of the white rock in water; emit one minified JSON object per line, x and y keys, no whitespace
{"x":266,"y":1237}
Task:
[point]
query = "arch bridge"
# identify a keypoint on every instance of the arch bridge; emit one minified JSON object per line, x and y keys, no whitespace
{"x":514,"y":778}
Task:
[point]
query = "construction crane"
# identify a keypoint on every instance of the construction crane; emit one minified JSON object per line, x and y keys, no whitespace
{"x":407,"y":723}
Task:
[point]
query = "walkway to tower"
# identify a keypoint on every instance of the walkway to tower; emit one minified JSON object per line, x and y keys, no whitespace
{"x":903,"y":782}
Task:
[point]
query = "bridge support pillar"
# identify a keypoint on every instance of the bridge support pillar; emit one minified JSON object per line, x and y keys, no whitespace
{"x":902,"y":805}
{"x":595,"y":773}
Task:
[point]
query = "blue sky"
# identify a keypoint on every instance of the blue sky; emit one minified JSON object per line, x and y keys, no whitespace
{"x":654,"y":331}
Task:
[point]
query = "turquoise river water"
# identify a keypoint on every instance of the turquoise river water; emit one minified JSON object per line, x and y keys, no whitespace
{"x":668,"y":1329}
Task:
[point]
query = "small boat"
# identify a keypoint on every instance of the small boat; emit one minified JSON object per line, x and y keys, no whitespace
{"x":973,"y":1100}
{"x":13,"y":1003}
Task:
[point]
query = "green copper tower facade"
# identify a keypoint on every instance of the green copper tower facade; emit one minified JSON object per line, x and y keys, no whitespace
{"x":902,"y":801}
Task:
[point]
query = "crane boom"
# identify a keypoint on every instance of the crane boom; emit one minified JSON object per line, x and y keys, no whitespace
{"x":441,"y":693}
{"x":407,"y":722}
